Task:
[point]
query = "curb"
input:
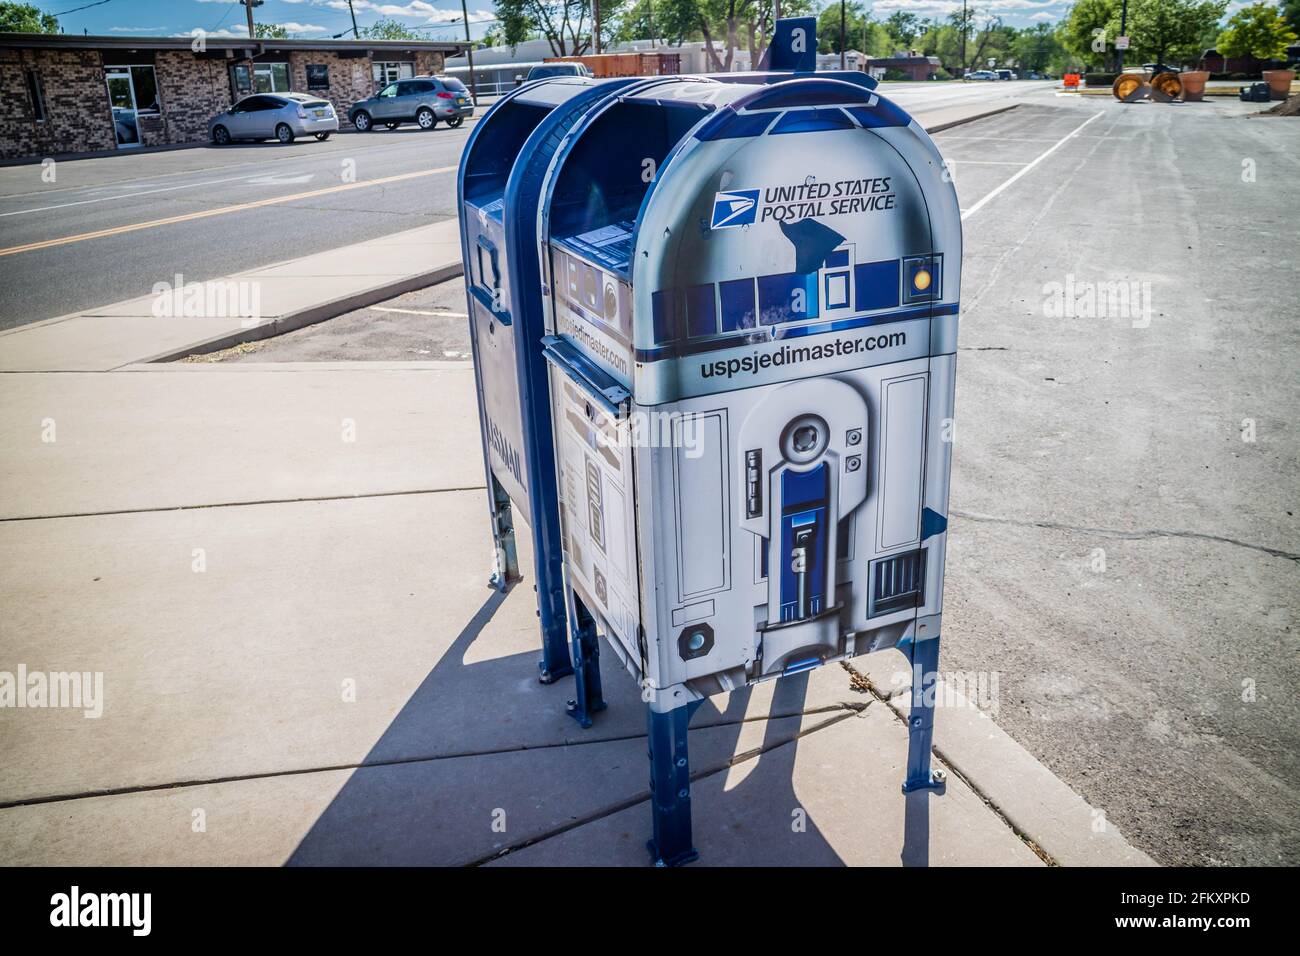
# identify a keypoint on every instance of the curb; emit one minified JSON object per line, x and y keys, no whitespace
{"x":313,"y":314}
{"x":969,"y":119}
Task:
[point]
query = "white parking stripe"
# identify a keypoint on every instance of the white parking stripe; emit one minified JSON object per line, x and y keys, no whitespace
{"x":130,"y":195}
{"x":440,"y":313}
{"x":1042,"y":156}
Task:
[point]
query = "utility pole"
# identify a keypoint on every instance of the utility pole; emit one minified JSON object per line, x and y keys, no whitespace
{"x":1123,"y":23}
{"x":965,"y":26}
{"x":252,"y":79}
{"x":355,"y":34}
{"x":469,"y":54}
{"x":843,"y":61}
{"x":650,"y":16}
{"x":595,"y":33}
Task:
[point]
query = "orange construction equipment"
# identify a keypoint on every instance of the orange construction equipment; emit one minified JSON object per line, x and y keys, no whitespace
{"x":1071,"y":81}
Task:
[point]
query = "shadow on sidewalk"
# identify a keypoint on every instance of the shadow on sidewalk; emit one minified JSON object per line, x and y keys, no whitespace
{"x":463,"y":809}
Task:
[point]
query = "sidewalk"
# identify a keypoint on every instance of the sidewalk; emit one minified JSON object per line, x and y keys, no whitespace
{"x":289,"y":294}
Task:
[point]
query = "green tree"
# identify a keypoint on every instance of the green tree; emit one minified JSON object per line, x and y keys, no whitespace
{"x":565,"y":24}
{"x":903,"y":27}
{"x":1259,"y":30}
{"x":1162,"y":30}
{"x":1291,"y":13}
{"x":26,"y":18}
{"x":1038,"y":48}
{"x":389,"y":30}
{"x":1090,"y":30}
{"x":270,"y":31}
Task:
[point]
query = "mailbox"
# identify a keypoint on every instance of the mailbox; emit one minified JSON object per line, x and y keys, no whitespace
{"x":751,"y":287}
{"x":715,"y":331}
{"x":501,"y":170}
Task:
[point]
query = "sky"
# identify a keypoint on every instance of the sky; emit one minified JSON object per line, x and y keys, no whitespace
{"x":439,"y":19}
{"x":302,"y":18}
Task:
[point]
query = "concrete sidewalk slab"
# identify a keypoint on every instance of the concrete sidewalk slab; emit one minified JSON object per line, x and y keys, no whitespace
{"x":830,"y":798}
{"x":445,"y":812}
{"x":243,"y":668}
{"x":290,"y":295}
{"x":220,"y":434}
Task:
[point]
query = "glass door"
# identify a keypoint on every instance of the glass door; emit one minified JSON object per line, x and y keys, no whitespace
{"x":121,"y":99}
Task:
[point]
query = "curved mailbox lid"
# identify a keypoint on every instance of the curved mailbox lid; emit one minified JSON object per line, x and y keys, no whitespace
{"x":782,"y":232}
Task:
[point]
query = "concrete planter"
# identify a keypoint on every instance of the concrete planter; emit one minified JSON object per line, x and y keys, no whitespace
{"x":1194,"y":85}
{"x":1279,"y":83}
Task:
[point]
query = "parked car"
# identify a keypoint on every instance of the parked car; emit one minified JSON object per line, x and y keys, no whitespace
{"x":422,"y":100}
{"x":281,"y":116}
{"x":1007,"y":75}
{"x":981,"y":75}
{"x":550,"y":70}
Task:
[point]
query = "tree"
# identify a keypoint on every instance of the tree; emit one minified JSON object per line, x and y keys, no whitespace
{"x":1259,"y":30}
{"x":903,"y":27}
{"x":1089,"y":31}
{"x":1291,"y":13}
{"x":270,"y":31}
{"x":565,"y":24}
{"x":1160,"y":30}
{"x":26,"y":18}
{"x":1037,"y":48}
{"x":388,"y":30}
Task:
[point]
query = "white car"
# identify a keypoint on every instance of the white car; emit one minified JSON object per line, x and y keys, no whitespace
{"x":981,"y":75}
{"x":281,"y":116}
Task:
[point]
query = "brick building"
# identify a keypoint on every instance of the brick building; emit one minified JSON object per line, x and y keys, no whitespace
{"x":71,"y":94}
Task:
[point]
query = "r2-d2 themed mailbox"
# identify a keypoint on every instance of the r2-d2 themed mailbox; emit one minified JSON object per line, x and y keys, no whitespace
{"x":714,"y":324}
{"x":752,"y":290}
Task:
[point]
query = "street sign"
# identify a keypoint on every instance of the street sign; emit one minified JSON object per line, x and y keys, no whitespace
{"x":1121,"y":43}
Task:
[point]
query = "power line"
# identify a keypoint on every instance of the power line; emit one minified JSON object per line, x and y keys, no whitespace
{"x":98,"y":3}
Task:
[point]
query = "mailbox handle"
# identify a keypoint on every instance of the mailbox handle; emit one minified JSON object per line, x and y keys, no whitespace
{"x":594,"y":381}
{"x":480,"y":289}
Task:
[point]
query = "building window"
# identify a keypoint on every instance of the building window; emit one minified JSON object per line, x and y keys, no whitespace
{"x":146,"y":89}
{"x":36,"y":93}
{"x":269,"y":77}
{"x":392,"y":71}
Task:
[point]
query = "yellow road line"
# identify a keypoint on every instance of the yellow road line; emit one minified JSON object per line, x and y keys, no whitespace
{"x":221,"y":211}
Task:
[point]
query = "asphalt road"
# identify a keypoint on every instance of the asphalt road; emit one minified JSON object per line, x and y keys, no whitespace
{"x":110,"y":217}
{"x":1124,"y":562}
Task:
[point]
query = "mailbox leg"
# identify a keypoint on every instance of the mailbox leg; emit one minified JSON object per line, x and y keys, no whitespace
{"x":505,"y":567}
{"x":925,"y":666}
{"x":670,"y":786}
{"x":587,"y":699}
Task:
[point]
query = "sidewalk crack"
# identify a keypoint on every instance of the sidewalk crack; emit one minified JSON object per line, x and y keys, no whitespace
{"x":1144,"y":534}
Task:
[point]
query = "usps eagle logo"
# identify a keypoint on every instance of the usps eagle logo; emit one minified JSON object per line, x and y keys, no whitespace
{"x":736,"y":207}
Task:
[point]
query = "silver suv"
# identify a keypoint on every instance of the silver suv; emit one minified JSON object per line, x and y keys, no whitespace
{"x":423,"y":100}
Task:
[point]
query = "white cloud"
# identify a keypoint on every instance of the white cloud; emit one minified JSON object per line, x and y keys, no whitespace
{"x":136,"y":29}
{"x":415,"y":9}
{"x":295,"y":27}
{"x":223,"y":32}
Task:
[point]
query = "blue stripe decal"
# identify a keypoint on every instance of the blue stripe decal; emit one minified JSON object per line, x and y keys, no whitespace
{"x":754,"y":337}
